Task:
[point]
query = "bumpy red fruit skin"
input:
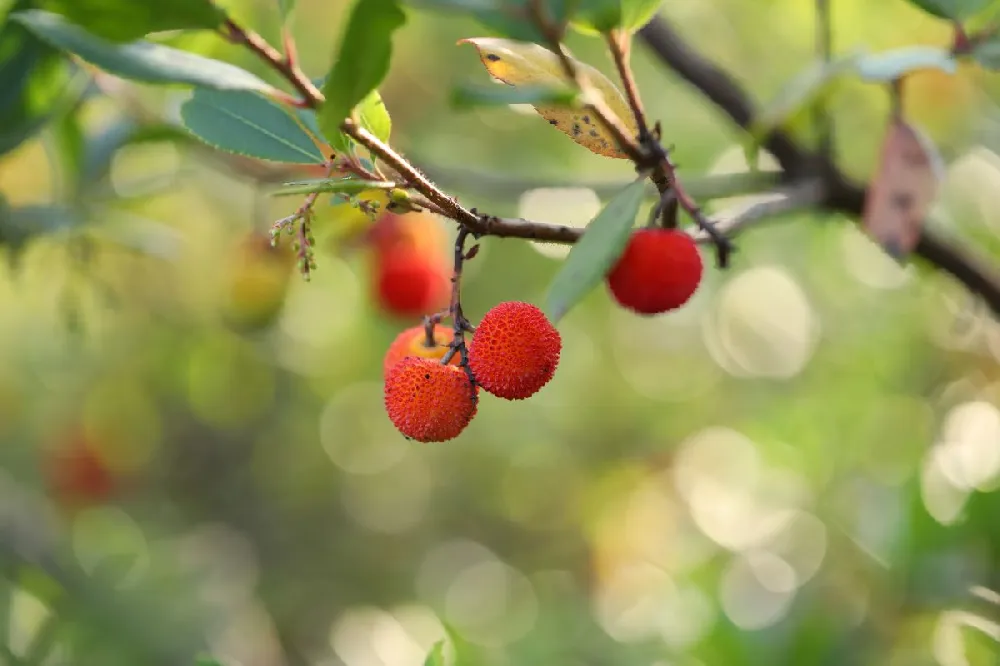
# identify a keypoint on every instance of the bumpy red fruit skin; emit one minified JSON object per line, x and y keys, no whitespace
{"x":410,"y":284}
{"x":427,"y":401}
{"x":660,"y":270}
{"x":514,"y":351}
{"x":413,"y":342}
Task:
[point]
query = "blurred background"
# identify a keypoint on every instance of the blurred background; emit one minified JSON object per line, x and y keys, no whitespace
{"x":797,"y":468}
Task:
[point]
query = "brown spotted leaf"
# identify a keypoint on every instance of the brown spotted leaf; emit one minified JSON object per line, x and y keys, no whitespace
{"x":903,"y":190}
{"x":524,"y":64}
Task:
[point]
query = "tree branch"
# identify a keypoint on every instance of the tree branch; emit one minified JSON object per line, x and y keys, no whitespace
{"x":841,"y":194}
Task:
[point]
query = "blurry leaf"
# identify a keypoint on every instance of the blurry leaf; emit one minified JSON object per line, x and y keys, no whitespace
{"x":467,"y":97}
{"x":512,"y":19}
{"x":458,"y":5}
{"x":362,"y":61}
{"x":70,"y":144}
{"x":248,"y":124}
{"x":125,"y":20}
{"x":602,"y":16}
{"x":521,"y":64}
{"x":139,"y":61}
{"x":902,"y":191}
{"x":436,"y":656}
{"x":596,"y":252}
{"x":33,"y":83}
{"x":21,"y":224}
{"x":987,"y":53}
{"x":139,"y":234}
{"x":285,"y":7}
{"x":102,"y":146}
{"x":43,"y":641}
{"x":798,"y":96}
{"x":342,"y":185}
{"x":891,"y":65}
{"x":951,"y":9}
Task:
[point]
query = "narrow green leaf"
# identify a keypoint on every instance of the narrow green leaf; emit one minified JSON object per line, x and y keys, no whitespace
{"x":512,"y":19}
{"x":470,"y":96}
{"x":596,"y":252}
{"x":603,"y":16}
{"x":337,"y":185}
{"x":952,"y":9}
{"x":36,"y":83}
{"x":436,"y":656}
{"x":987,"y":53}
{"x":125,"y":20}
{"x":796,"y":97}
{"x":891,"y":65}
{"x":362,"y":61}
{"x":458,"y":5}
{"x":285,"y":7}
{"x":248,"y":124}
{"x":69,"y":143}
{"x":139,"y":61}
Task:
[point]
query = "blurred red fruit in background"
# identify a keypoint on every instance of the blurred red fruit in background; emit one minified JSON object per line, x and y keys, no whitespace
{"x":75,"y":473}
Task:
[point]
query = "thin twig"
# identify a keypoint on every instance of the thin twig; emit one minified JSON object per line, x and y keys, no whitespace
{"x":620,"y":46}
{"x":287,"y":67}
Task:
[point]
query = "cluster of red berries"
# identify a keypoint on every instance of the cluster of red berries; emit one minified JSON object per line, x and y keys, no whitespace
{"x":515,"y":349}
{"x":514,"y":352}
{"x":411,"y":274}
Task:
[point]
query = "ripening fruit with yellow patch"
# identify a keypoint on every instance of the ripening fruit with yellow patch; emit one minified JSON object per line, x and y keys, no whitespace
{"x":514,"y":351}
{"x":256,"y":282}
{"x":428,"y":401}
{"x":413,"y":342}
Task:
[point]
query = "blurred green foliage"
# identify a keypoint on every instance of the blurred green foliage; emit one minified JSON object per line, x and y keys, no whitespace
{"x":798,"y":468}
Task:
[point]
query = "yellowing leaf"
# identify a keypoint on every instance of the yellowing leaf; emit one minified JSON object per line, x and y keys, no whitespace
{"x":903,"y":190}
{"x":525,"y":64}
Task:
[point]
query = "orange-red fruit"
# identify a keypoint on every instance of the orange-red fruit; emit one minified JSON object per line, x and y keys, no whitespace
{"x":514,"y":351}
{"x":413,"y":342}
{"x":410,"y":284}
{"x":427,"y":401}
{"x":659,"y":271}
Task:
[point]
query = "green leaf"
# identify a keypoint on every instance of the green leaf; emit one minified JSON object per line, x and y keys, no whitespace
{"x":70,"y":145}
{"x":596,"y":252}
{"x":512,"y":18}
{"x":987,"y":53}
{"x":795,"y":98}
{"x":285,"y":7}
{"x":468,"y":96}
{"x":603,"y":16}
{"x":20,"y":225}
{"x":139,"y":61}
{"x":249,"y":124}
{"x":374,"y":117}
{"x":436,"y":656}
{"x":362,"y":61}
{"x":126,"y":20}
{"x":891,"y":65}
{"x":336,"y":185}
{"x":35,"y":83}
{"x":952,"y":9}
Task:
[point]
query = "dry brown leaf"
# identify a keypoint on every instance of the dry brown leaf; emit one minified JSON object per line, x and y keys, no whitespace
{"x":903,"y":190}
{"x":523,"y":63}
